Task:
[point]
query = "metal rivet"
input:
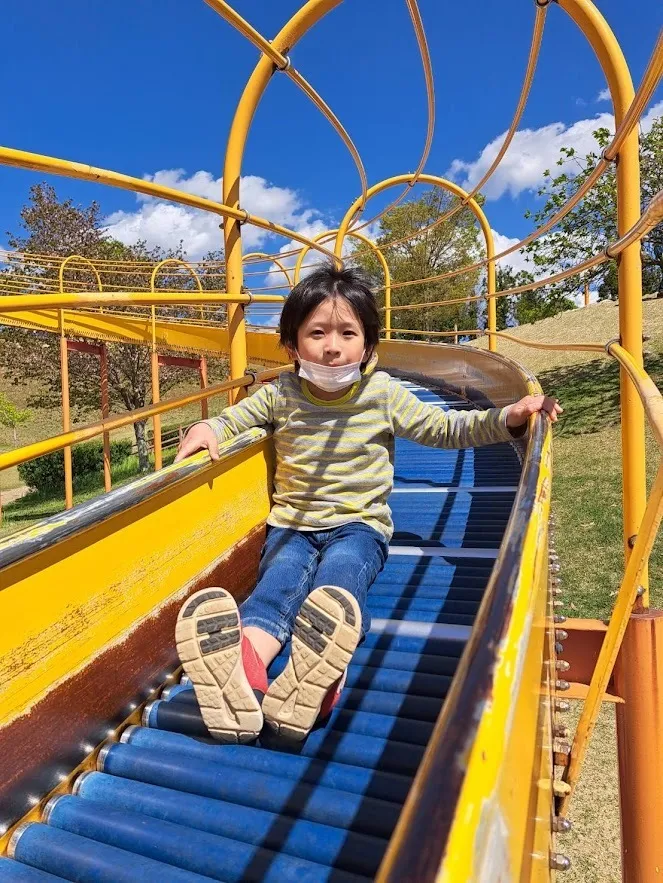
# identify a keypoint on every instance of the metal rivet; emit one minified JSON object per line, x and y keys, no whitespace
{"x":562,"y":705}
{"x":559,"y":618}
{"x":555,"y":568}
{"x":561,"y":825}
{"x":556,"y":592}
{"x":562,"y":665}
{"x":559,"y":648}
{"x":640,"y":592}
{"x":555,"y":581}
{"x":558,"y":603}
{"x":561,"y":634}
{"x":561,"y":732}
{"x":559,"y":862}
{"x":562,"y":685}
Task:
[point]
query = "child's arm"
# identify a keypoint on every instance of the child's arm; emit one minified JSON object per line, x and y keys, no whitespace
{"x":427,"y":425}
{"x":255,"y":410}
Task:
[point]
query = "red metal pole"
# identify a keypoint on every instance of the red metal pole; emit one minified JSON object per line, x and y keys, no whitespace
{"x":105,"y":411}
{"x":204,"y":410}
{"x":639,"y":681}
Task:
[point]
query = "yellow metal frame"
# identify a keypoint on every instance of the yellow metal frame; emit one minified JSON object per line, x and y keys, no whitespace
{"x":474,"y":207}
{"x":354,"y":234}
{"x":489,"y":802}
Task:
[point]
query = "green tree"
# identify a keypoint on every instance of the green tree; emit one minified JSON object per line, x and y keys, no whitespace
{"x":530,"y":306}
{"x":54,"y":227}
{"x":12,"y":416}
{"x":453,"y":244}
{"x":592,"y":224}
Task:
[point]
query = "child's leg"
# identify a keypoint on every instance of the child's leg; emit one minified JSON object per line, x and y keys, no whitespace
{"x":326,"y":630}
{"x":226,"y":663}
{"x":287,"y":566}
{"x":351,"y":559}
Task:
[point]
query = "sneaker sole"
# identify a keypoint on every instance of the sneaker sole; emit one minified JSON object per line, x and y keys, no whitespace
{"x":324,"y":637}
{"x":209,"y":644}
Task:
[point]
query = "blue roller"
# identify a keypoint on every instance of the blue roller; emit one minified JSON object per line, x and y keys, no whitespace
{"x":324,"y":743}
{"x":20,"y":873}
{"x":400,"y":705}
{"x":363,"y":723}
{"x":346,"y":850}
{"x":262,"y":791}
{"x":209,"y":855}
{"x":172,"y":807}
{"x":86,"y":861}
{"x":345,"y":777}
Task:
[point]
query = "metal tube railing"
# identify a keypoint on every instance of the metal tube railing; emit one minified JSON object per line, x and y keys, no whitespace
{"x":92,"y":430}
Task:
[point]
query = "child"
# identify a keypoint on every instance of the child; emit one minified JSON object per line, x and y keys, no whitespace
{"x":334,"y":423}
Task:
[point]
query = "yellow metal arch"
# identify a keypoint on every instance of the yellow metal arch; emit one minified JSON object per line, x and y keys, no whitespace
{"x":299,"y":24}
{"x":267,"y":257}
{"x":472,"y":204}
{"x":329,"y":234}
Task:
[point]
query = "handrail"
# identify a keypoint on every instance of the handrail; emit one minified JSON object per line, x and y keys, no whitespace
{"x":17,"y":302}
{"x":283,"y":64}
{"x":91,"y":430}
{"x":420,"y":34}
{"x":280,"y":266}
{"x":23,"y":159}
{"x":628,"y":594}
{"x":648,"y":84}
{"x":650,"y":218}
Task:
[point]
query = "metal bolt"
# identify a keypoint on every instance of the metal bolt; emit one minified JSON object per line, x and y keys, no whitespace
{"x":559,"y":862}
{"x":561,"y":825}
{"x":561,"y":732}
{"x":559,"y":648}
{"x":558,"y":603}
{"x":562,"y":705}
{"x":556,"y":592}
{"x":555,"y":568}
{"x":640,"y":592}
{"x":562,"y":685}
{"x":561,"y":634}
{"x":555,"y":581}
{"x":562,"y":665}
{"x":559,"y":618}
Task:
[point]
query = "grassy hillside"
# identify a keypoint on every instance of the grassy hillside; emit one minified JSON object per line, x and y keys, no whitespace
{"x":587,"y":471}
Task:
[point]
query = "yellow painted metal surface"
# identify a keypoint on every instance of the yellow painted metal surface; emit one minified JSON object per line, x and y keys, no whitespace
{"x":123,"y":328}
{"x":82,"y":594}
{"x":501,"y":830}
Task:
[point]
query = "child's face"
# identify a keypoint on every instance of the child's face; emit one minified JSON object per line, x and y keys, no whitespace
{"x":332,"y":334}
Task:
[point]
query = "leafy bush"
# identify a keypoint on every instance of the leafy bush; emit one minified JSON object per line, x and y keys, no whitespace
{"x":46,"y":474}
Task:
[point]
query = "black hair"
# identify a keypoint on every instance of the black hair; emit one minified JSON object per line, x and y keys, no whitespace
{"x":351,"y":284}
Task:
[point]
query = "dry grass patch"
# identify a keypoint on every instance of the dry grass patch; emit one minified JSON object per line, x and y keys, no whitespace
{"x":593,"y":845}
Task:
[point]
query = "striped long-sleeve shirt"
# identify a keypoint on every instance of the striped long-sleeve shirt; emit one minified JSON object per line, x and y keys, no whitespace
{"x":335,"y":460}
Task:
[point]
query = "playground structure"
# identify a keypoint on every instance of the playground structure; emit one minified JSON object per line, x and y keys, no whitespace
{"x":485,"y":803}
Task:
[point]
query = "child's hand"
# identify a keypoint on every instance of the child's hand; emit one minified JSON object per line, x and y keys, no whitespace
{"x":520,"y":411}
{"x":198,"y":438}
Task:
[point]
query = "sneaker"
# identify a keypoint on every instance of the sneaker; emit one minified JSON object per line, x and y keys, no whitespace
{"x":227,"y":674}
{"x":325,"y":636}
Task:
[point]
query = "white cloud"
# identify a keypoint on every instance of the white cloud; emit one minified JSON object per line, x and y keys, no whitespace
{"x":165,"y":224}
{"x":532,"y":151}
{"x":516,"y":260}
{"x":604,"y":95}
{"x":652,"y":114}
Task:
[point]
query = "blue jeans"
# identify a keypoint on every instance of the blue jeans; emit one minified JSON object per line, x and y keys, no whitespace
{"x":294,"y":562}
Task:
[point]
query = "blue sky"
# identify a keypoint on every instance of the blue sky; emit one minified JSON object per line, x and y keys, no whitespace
{"x":149,"y":87}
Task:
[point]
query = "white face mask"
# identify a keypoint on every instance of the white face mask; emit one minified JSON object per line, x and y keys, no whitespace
{"x":329,"y":378}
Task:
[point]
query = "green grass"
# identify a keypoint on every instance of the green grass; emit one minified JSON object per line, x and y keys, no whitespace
{"x":35,"y":506}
